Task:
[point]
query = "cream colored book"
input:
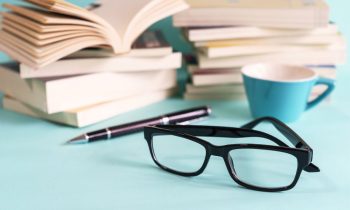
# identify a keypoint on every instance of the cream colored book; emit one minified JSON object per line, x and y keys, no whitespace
{"x":122,"y":64}
{"x":240,"y":96}
{"x":150,"y":43}
{"x":253,"y":48}
{"x":49,"y":30}
{"x":266,"y":13}
{"x":216,"y":77}
{"x":296,"y":40}
{"x":327,"y":71}
{"x":53,"y":95}
{"x":201,"y":34}
{"x":194,"y":69}
{"x":215,"y":89}
{"x":215,"y":96}
{"x":318,"y":57}
{"x":91,"y":114}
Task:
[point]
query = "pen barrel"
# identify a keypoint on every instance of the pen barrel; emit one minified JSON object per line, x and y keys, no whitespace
{"x":133,"y":127}
{"x":188,"y":115}
{"x":128,"y":128}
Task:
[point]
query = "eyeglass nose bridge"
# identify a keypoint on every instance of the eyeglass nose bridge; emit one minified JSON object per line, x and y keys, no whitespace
{"x":217,"y":151}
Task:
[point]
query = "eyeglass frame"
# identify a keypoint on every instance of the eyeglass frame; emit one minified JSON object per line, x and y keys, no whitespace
{"x":302,"y":151}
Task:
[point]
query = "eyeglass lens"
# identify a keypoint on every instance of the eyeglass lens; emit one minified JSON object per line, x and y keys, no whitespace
{"x":257,"y":167}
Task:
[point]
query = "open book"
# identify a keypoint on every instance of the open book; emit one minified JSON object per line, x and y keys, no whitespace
{"x":46,"y":30}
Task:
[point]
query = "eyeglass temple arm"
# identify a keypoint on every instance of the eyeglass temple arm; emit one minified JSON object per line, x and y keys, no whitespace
{"x":222,"y":132}
{"x":293,"y":137}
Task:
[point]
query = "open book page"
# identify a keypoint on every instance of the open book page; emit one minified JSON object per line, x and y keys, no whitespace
{"x":24,"y":53}
{"x":44,"y":38}
{"x":65,"y":8}
{"x":37,"y":29}
{"x":119,"y":13}
{"x":138,"y":16}
{"x":147,"y":17}
{"x":49,"y":39}
{"x":30,"y":47}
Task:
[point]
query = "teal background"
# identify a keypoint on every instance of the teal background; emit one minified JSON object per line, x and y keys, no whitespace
{"x":38,"y":172}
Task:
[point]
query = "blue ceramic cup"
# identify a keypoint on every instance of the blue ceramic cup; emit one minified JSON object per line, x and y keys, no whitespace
{"x":282,"y":91}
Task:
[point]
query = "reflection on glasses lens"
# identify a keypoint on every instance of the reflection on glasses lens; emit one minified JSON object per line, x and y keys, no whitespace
{"x":264,"y":168}
{"x":178,"y":154}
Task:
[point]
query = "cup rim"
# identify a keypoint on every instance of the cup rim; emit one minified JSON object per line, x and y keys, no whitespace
{"x":246,"y":71}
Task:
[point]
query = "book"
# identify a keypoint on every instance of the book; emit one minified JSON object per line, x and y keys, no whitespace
{"x":296,"y":40}
{"x":216,"y":77}
{"x":200,"y":34}
{"x":91,"y":114}
{"x":58,"y":94}
{"x":215,"y":89}
{"x":48,"y":30}
{"x":150,"y":43}
{"x":214,"y":96}
{"x":326,"y":71}
{"x":238,"y":96}
{"x":194,"y":69}
{"x":317,"y":57}
{"x":267,"y":13}
{"x":221,"y":76}
{"x":122,"y":64}
{"x":251,"y":47}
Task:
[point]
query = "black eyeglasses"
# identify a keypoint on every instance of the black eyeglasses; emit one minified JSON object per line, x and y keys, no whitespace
{"x":178,"y":150}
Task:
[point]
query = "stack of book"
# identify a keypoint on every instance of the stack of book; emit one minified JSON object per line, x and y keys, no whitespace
{"x":230,"y":34}
{"x":78,"y":67}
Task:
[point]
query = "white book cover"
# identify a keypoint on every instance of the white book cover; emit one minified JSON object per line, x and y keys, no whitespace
{"x":251,"y":48}
{"x":200,"y":34}
{"x":216,"y":77}
{"x":92,"y":114}
{"x":53,"y":95}
{"x":323,"y":57}
{"x":307,"y":40}
{"x":194,"y":69}
{"x":267,"y":13}
{"x":241,"y":96}
{"x":215,"y":89}
{"x":121,"y":64}
{"x":327,"y":71}
{"x":223,"y":96}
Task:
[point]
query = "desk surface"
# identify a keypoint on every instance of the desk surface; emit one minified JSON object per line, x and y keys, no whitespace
{"x":38,"y":172}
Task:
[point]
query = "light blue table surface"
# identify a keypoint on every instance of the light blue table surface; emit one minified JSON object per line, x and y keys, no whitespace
{"x":39,"y":173}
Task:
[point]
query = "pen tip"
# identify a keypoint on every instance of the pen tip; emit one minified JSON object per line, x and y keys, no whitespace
{"x":78,"y":140}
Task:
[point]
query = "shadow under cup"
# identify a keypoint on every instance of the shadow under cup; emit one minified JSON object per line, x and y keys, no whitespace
{"x":282,"y":91}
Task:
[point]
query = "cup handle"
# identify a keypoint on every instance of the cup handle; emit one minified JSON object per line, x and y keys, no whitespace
{"x":321,"y":81}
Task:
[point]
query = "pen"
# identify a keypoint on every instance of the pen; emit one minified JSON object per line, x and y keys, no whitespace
{"x":180,"y":117}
